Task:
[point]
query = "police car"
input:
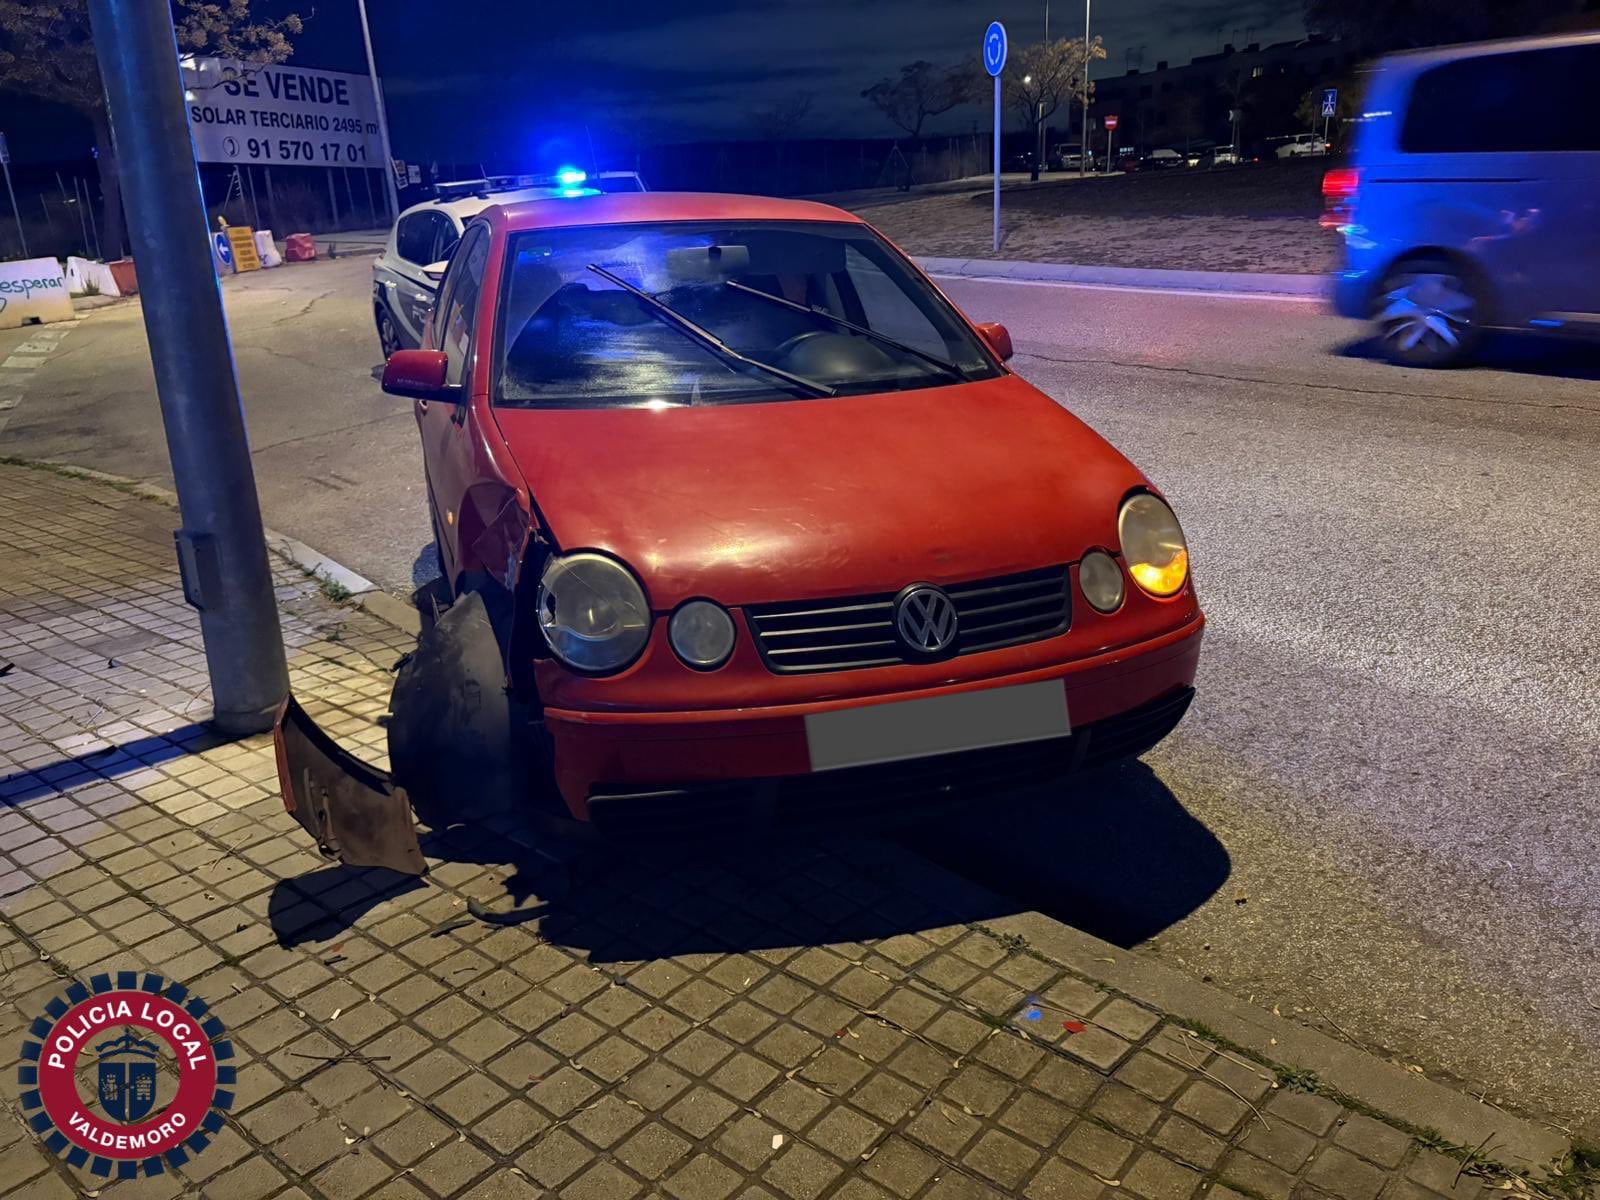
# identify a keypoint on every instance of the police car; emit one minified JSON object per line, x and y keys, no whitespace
{"x":405,"y":277}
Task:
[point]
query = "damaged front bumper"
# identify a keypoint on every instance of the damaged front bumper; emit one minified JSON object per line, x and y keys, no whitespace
{"x":357,"y":813}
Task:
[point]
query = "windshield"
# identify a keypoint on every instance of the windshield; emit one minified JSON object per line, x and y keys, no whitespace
{"x":729,"y":312}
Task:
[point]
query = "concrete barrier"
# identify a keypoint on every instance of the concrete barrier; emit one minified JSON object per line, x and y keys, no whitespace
{"x":34,"y":289}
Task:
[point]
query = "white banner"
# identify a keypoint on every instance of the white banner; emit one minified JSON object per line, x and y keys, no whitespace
{"x":33,"y":288}
{"x":286,"y":115}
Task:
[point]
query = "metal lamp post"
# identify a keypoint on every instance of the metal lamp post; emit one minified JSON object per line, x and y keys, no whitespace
{"x":221,"y":548}
{"x":1039,"y":147}
{"x":383,"y":116}
{"x":1083,"y":158}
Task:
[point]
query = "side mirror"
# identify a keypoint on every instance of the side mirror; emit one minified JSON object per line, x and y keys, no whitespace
{"x":999,"y":339}
{"x":419,"y":374}
{"x":435,"y":271}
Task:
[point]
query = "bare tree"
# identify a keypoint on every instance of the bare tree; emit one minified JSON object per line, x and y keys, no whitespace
{"x":779,"y":120}
{"x":46,"y":51}
{"x":1044,"y":76}
{"x":923,"y":90}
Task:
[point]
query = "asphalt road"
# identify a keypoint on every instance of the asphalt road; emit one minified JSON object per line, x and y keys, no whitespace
{"x":1381,"y":816}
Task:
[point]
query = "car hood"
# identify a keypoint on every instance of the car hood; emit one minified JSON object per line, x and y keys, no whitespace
{"x":757,"y":503}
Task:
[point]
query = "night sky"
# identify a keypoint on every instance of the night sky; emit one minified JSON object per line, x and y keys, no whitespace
{"x":510,"y":77}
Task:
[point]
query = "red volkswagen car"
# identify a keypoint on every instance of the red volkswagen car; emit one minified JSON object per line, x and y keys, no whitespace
{"x":748,"y":517}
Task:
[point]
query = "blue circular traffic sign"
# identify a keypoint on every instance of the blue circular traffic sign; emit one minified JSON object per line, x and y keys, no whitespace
{"x":994,"y":48}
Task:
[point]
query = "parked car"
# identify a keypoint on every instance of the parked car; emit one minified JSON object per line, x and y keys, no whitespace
{"x":406,"y":274}
{"x":1472,"y":198}
{"x":1160,"y":160}
{"x":1224,"y":156}
{"x":1070,"y":158}
{"x":1301,"y":145}
{"x":680,"y":452}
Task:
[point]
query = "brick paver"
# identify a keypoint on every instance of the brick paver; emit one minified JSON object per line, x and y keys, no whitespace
{"x":802,"y":1020}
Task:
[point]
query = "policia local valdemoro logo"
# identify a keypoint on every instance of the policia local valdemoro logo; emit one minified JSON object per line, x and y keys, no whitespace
{"x":129,"y":1077}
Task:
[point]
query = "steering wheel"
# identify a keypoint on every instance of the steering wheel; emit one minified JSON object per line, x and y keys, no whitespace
{"x":799,"y":339}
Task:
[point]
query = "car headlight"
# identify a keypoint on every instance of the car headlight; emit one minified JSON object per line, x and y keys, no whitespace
{"x":1153,"y":545}
{"x":593,"y":612}
{"x":701,"y":634}
{"x":1100,"y":579}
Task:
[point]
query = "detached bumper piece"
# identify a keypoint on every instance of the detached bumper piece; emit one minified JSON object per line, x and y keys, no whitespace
{"x":886,"y":791}
{"x":356,"y":812}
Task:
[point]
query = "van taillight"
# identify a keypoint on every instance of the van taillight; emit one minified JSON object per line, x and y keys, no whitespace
{"x":1339,"y":196}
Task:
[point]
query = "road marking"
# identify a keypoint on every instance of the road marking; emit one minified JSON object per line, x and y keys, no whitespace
{"x":28,"y":356}
{"x":1145,"y":291}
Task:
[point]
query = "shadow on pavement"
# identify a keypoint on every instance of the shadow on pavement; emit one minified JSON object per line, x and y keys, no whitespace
{"x":106,"y":762}
{"x":1523,"y":353}
{"x":1115,"y":855}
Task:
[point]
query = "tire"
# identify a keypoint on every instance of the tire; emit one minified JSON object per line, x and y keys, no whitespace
{"x":388,"y":332}
{"x":458,"y":742}
{"x":1429,"y":313}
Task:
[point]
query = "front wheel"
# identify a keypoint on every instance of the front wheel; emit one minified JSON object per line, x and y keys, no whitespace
{"x":388,"y":334}
{"x":1428,"y":314}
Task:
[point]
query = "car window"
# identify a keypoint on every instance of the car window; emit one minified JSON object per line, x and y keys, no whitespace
{"x":885,"y":306}
{"x":445,"y":243}
{"x":414,"y":238}
{"x":1528,"y":101}
{"x":570,"y":336}
{"x":458,"y":307}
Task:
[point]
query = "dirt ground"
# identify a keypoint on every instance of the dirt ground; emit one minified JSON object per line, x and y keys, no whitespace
{"x":1241,"y":219}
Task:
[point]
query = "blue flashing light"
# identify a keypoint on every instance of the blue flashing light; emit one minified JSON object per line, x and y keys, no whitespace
{"x":571,"y":176}
{"x":570,"y":192}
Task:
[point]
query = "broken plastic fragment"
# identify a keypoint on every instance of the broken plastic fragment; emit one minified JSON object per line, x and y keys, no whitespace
{"x":1074,"y":1026}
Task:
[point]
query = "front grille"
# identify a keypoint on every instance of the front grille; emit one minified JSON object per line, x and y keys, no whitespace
{"x":849,"y":634}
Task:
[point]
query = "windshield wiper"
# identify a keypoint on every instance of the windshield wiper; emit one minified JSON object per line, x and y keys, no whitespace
{"x":817,"y":310}
{"x":700,"y":334}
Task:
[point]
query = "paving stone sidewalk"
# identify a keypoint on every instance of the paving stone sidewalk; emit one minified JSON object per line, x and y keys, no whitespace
{"x":791,"y":1019}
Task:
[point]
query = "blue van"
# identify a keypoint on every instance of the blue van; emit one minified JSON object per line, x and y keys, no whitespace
{"x":1472,"y":200}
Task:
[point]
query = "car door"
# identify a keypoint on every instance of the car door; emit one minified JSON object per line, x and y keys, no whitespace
{"x":1500,"y":156}
{"x":411,"y":289}
{"x":446,"y":426}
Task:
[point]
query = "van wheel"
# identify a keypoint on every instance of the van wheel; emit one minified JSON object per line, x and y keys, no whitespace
{"x":388,"y":335}
{"x":1428,"y":314}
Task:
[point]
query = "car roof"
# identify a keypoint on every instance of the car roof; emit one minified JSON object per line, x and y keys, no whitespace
{"x":625,"y":208}
{"x":464,"y":208}
{"x":1432,"y":55}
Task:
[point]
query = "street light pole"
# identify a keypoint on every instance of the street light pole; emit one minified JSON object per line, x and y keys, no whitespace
{"x":1083,"y":165}
{"x":383,"y":116}
{"x":5,"y":164}
{"x":221,"y":548}
{"x":1039,"y":146}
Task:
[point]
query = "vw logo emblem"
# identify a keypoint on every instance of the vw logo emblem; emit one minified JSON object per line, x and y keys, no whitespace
{"x":926,"y":619}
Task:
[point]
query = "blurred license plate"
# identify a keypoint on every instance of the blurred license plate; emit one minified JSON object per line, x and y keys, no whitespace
{"x":878,"y":733}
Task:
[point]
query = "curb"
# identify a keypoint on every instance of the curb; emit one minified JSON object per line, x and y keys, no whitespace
{"x":1405,"y":1097}
{"x":90,"y":303}
{"x":1410,"y":1100}
{"x":1301,"y":286}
